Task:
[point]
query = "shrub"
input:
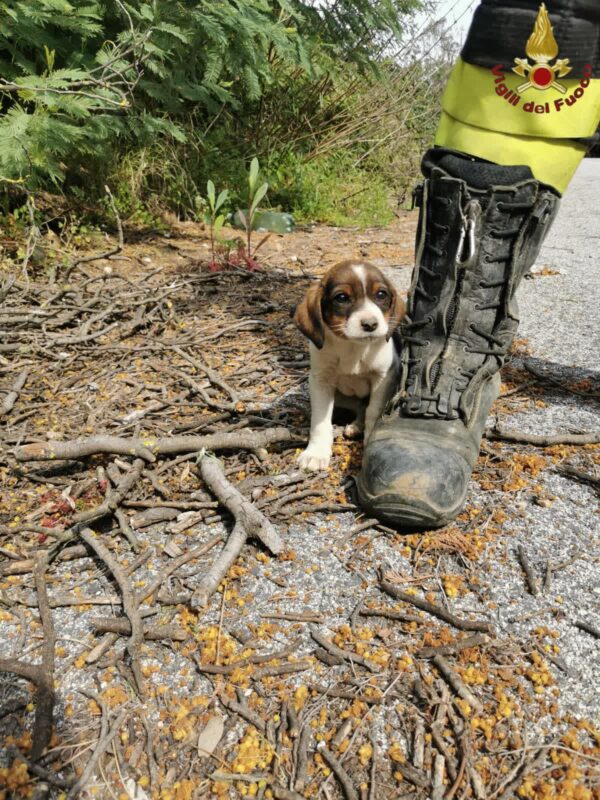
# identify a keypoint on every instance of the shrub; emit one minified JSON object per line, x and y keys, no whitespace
{"x":158,"y":96}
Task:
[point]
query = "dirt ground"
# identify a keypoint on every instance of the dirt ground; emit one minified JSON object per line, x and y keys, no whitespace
{"x":357,"y":661}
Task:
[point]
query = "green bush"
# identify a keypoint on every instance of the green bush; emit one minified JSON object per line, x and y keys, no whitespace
{"x":159,"y":96}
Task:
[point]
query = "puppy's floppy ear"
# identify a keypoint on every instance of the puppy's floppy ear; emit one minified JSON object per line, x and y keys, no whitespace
{"x":397,"y":311}
{"x":308,"y":316}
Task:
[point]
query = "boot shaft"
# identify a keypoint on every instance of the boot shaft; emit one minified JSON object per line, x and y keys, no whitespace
{"x":476,"y":239}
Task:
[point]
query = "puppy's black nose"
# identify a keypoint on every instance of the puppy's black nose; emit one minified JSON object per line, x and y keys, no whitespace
{"x":368,"y":324}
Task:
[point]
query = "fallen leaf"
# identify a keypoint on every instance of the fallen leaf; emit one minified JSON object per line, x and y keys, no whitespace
{"x":210,"y":737}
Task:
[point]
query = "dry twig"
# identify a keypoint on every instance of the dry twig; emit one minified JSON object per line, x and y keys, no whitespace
{"x":449,"y":649}
{"x":243,"y":711}
{"x":106,"y":736}
{"x":457,"y":683}
{"x":437,"y":792}
{"x":113,"y":498}
{"x":412,"y":775}
{"x":301,"y":757}
{"x":525,"y":563}
{"x":130,"y":604}
{"x":588,"y":628}
{"x":151,"y":632}
{"x":42,"y":729}
{"x":281,"y":793}
{"x":347,"y":655}
{"x":13,"y":395}
{"x":436,"y":611}
{"x":350,"y":792}
{"x":543,"y":441}
{"x":579,"y":475}
{"x":374,"y":757}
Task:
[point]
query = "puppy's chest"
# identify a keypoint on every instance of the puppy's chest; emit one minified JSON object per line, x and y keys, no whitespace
{"x":351,"y":373}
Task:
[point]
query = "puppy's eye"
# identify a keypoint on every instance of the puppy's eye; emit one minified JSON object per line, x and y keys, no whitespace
{"x":381,"y":294}
{"x":341,"y":297}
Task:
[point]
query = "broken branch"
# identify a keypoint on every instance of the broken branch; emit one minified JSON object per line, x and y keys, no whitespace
{"x":44,"y":706}
{"x":149,"y":448}
{"x":246,"y":514}
{"x":249,"y":521}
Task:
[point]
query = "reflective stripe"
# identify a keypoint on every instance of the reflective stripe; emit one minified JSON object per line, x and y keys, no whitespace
{"x":552,"y":161}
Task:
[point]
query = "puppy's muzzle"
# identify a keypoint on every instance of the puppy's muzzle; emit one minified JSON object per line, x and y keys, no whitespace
{"x":369,"y":325}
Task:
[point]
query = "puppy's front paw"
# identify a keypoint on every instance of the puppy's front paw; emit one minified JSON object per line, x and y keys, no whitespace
{"x":314,"y":459}
{"x":353,"y":430}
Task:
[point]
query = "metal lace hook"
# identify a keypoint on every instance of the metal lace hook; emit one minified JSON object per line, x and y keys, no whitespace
{"x":467,"y":236}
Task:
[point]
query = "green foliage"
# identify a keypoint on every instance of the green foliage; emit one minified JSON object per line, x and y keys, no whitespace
{"x":331,"y":190}
{"x":358,"y":30}
{"x":156,"y":96}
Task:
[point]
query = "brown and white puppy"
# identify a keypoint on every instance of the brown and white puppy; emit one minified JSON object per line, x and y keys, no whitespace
{"x":349,"y":318}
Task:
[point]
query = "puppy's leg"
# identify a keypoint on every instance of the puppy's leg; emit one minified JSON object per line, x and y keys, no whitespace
{"x":317,"y":454}
{"x":357,"y":405}
{"x":380,"y":392}
{"x":354,"y":429}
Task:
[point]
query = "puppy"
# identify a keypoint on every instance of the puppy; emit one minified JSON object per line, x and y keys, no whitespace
{"x":349,"y":318}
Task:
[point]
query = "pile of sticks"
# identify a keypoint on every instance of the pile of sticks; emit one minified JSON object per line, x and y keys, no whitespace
{"x":139,"y":402}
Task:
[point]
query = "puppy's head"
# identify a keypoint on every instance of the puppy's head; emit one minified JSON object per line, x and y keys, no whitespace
{"x":354,"y":300}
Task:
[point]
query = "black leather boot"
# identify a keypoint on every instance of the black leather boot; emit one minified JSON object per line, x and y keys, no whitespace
{"x":480,"y":228}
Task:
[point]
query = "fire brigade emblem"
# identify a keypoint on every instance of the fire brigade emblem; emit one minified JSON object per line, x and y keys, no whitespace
{"x":541,"y":48}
